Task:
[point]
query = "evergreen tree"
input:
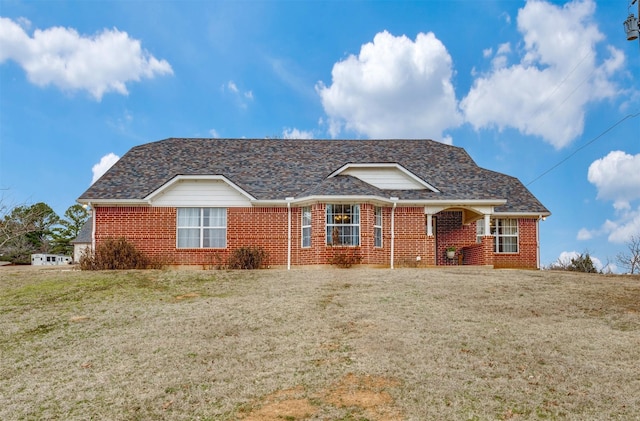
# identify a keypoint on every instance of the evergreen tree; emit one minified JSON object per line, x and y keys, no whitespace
{"x":69,"y":228}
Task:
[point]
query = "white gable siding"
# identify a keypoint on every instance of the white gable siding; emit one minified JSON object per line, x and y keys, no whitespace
{"x":384,"y":178}
{"x":203,"y":193}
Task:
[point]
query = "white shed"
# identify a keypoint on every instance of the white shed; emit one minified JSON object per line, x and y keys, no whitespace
{"x":43,"y":259}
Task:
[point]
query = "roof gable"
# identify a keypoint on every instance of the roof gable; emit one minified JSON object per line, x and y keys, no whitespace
{"x":210,"y":190}
{"x":385,"y":176}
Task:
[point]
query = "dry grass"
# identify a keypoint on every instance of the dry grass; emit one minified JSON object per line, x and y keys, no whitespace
{"x":351,"y":345}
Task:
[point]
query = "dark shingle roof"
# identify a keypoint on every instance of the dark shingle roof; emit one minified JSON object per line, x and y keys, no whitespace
{"x":84,"y":236}
{"x":272,"y":169}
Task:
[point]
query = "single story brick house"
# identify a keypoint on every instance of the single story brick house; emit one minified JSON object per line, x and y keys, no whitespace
{"x":192,"y":202}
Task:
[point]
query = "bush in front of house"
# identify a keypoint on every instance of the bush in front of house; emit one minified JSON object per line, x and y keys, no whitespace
{"x":114,"y":253}
{"x":247,"y":258}
{"x":345,"y":258}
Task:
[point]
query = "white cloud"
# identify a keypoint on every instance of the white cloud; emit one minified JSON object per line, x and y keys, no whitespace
{"x":294,"y":133}
{"x":627,"y":225}
{"x":618,"y":231}
{"x":394,"y":88}
{"x":232,"y":86}
{"x":617,"y":178}
{"x":214,"y":133}
{"x":566,"y":256}
{"x":584,"y":234}
{"x":242,"y":98}
{"x":101,"y":63}
{"x":546,"y":93}
{"x":101,"y":167}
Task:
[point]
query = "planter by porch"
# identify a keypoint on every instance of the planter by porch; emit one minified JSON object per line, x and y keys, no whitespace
{"x":451,"y":254}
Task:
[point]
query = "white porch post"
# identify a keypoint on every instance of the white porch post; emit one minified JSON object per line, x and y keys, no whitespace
{"x":487,"y":224}
{"x":429,"y":225}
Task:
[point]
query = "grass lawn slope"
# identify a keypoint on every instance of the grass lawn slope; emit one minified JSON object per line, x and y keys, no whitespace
{"x":331,"y":344}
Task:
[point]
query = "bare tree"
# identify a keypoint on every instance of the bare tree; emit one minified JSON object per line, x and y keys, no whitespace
{"x":20,"y":225}
{"x":630,"y":259}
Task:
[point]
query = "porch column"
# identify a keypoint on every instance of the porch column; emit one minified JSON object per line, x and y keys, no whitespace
{"x":487,"y":224}
{"x":429,"y":225}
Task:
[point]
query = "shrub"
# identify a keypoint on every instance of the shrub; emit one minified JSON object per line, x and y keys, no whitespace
{"x":580,"y":263}
{"x":345,"y":259}
{"x":114,"y":254}
{"x":247,"y":258}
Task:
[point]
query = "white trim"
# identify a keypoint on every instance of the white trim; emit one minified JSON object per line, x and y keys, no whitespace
{"x":379,"y":200}
{"x":399,"y":167}
{"x":179,"y":178}
{"x":309,"y":200}
{"x":115,"y":202}
{"x":521,"y":214}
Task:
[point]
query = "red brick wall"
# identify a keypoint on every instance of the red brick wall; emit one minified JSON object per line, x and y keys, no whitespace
{"x":411,"y":237}
{"x":153,"y":231}
{"x":527,"y":257}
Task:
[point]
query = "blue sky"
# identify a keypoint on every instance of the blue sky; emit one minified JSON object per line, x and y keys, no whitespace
{"x":522,"y":86}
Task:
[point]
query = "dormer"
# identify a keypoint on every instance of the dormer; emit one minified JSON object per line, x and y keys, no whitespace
{"x":385,"y":176}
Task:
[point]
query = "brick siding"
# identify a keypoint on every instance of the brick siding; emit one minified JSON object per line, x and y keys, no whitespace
{"x":153,"y":231}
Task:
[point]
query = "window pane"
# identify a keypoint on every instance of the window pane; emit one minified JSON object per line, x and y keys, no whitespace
{"x":214,"y":217}
{"x":355,"y":211}
{"x":378,"y":237}
{"x":508,"y":244}
{"x":188,"y":237}
{"x":188,"y":217}
{"x":214,"y":237}
{"x":306,"y":216}
{"x":306,"y":237}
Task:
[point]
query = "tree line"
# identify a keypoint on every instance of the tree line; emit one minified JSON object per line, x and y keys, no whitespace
{"x":31,"y":229}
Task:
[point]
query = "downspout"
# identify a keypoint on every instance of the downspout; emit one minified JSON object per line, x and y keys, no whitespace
{"x":393,"y":231}
{"x":538,"y":242}
{"x":289,"y":199}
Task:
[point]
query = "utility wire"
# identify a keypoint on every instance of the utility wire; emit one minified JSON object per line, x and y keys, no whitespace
{"x":582,"y":147}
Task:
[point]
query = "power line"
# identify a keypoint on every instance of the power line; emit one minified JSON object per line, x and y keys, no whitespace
{"x":582,"y":147}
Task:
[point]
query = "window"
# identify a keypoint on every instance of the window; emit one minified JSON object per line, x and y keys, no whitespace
{"x":306,"y":226}
{"x":202,"y":227}
{"x":505,"y":232}
{"x":479,"y":231}
{"x":343,"y":225}
{"x":377,"y":226}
